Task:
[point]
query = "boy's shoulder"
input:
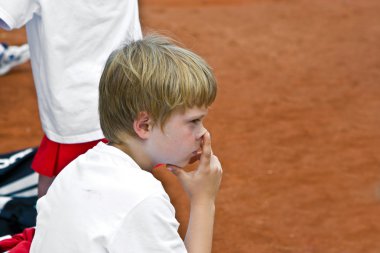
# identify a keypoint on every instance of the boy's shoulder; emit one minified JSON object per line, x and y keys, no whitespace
{"x":106,"y":176}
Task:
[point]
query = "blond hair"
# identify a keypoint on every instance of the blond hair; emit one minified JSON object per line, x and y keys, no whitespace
{"x":151,"y":75}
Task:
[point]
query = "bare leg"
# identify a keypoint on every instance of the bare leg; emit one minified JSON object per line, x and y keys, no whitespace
{"x":44,"y":183}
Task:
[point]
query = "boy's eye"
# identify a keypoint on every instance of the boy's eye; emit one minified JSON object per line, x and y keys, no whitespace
{"x":195,"y":121}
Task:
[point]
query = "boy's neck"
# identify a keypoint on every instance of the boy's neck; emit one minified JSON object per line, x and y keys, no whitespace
{"x":136,"y":153}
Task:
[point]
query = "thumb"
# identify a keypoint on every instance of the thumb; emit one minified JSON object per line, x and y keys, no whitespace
{"x":178,"y":172}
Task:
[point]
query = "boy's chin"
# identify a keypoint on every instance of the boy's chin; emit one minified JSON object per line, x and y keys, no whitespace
{"x":182,"y":164}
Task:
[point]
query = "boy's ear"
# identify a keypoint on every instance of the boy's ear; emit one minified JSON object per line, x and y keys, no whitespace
{"x":142,"y":125}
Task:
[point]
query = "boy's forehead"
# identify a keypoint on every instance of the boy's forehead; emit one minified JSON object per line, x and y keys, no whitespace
{"x":192,"y":112}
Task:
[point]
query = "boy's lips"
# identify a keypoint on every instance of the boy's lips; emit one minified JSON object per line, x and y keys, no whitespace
{"x":195,"y":156}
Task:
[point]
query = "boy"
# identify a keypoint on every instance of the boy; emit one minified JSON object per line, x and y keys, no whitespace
{"x":153,"y":96}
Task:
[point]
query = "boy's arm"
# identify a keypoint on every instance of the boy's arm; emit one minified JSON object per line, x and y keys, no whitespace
{"x":202,"y":186}
{"x":200,"y":230}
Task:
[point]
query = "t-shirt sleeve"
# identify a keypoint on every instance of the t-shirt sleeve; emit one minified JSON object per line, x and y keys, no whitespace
{"x":150,"y":227}
{"x":16,"y":13}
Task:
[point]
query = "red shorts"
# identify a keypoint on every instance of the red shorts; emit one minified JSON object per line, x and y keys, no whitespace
{"x":52,"y":157}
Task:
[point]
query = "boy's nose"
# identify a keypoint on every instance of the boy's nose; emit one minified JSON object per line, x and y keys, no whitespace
{"x":201,"y":132}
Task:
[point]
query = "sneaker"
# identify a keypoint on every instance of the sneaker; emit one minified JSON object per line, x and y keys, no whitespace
{"x":11,"y":56}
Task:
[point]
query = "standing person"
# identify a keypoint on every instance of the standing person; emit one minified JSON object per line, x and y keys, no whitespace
{"x":69,"y":43}
{"x":153,"y":97}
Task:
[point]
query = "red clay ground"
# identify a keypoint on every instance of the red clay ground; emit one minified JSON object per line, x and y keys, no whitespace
{"x":296,"y":122}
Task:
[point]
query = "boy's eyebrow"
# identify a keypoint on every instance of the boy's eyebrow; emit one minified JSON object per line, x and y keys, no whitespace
{"x":199,"y":116}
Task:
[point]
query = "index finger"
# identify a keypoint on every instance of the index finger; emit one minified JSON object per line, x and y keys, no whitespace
{"x":206,"y":150}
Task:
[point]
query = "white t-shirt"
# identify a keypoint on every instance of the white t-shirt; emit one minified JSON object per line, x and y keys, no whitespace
{"x":69,"y":43}
{"x":104,"y":202}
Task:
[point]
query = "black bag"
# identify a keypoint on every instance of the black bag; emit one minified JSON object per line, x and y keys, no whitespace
{"x":18,"y":191}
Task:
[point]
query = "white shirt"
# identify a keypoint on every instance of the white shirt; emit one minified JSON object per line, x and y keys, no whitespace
{"x":104,"y":202}
{"x":69,"y":43}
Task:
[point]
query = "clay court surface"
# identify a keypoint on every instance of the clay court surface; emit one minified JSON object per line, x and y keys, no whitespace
{"x":296,"y":123}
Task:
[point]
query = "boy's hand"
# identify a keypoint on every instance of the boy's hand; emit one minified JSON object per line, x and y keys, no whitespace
{"x":202,"y":185}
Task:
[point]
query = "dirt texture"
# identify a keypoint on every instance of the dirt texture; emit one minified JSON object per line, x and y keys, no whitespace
{"x":295,"y":124}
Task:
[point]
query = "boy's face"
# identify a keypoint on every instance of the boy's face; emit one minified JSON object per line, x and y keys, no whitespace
{"x":180,"y":138}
